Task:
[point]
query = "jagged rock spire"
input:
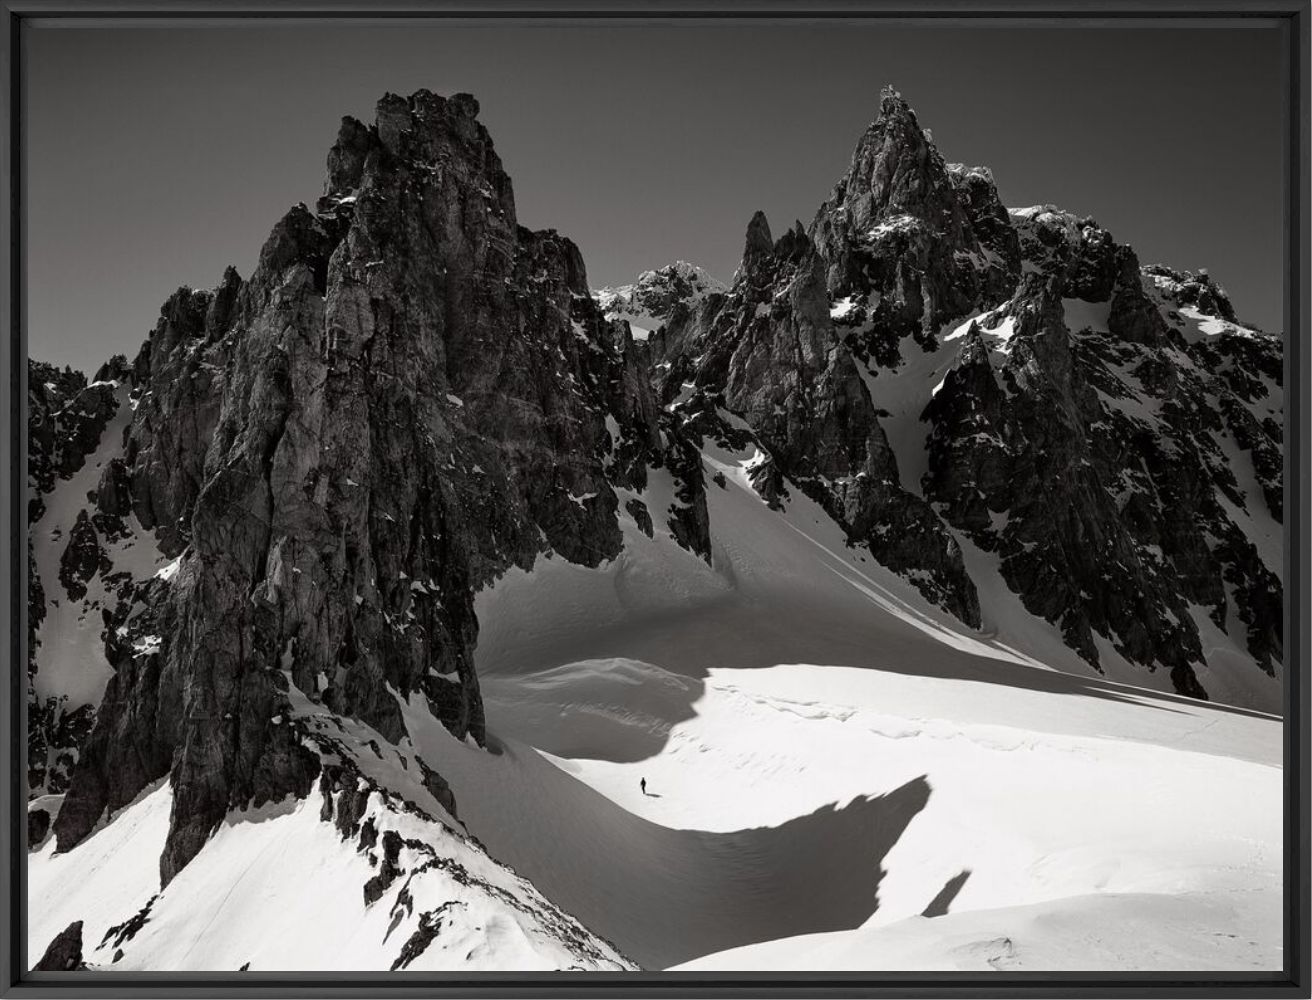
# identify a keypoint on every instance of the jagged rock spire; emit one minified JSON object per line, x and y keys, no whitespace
{"x":896,"y":169}
{"x":896,"y":224}
{"x":759,"y":242}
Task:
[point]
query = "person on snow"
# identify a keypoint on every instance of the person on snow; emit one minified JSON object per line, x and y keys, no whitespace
{"x":643,"y":785}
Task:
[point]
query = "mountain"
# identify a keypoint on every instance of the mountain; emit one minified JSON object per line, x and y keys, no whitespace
{"x":652,"y":300}
{"x":365,"y":595}
{"x":408,"y":396}
{"x":989,"y":399}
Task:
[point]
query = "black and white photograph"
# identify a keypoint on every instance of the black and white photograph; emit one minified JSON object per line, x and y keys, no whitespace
{"x":657,"y":495}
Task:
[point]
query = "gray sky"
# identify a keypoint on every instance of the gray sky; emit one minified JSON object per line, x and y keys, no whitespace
{"x":156,"y":156}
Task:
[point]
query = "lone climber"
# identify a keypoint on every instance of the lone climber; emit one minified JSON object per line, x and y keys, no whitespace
{"x":643,"y":785}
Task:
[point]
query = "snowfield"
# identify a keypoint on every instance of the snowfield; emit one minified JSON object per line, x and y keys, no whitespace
{"x":862,"y":761}
{"x":839,"y":776}
{"x":278,"y":889}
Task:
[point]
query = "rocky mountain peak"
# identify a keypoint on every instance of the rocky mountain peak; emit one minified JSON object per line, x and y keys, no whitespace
{"x":658,"y":298}
{"x":424,"y":125}
{"x":896,"y":170}
{"x":758,"y":242}
{"x":1048,"y":388}
{"x":657,"y":291}
{"x":1191,"y":289}
{"x":410,"y":395}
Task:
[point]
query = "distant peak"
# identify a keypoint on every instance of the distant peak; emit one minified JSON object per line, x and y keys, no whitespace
{"x":424,"y":100}
{"x":656,"y":292}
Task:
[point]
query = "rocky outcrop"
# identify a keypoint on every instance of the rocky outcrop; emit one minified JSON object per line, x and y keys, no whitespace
{"x":1090,"y":458}
{"x":64,"y":953}
{"x":899,"y":242}
{"x":66,"y":416}
{"x":770,"y":353}
{"x":998,"y":239}
{"x":38,"y":825}
{"x":409,"y":395}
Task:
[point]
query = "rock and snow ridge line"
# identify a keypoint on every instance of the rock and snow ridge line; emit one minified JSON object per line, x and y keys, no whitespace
{"x":647,"y":304}
{"x":649,"y":537}
{"x":1026,"y":406}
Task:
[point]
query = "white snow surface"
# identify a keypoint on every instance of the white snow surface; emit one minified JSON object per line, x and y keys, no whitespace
{"x":828,"y":759}
{"x":280,"y":889}
{"x":823,"y":750}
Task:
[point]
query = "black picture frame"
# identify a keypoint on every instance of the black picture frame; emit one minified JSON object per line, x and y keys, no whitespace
{"x":1293,"y":18}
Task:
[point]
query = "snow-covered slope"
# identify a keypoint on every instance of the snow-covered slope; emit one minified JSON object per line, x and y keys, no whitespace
{"x":70,"y":655}
{"x":371,"y":872}
{"x":823,"y":748}
{"x":1104,"y":932}
{"x":826,"y":754}
{"x":287,"y":888}
{"x":88,"y":561}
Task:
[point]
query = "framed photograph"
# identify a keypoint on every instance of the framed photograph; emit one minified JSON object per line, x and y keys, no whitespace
{"x":626,"y":500}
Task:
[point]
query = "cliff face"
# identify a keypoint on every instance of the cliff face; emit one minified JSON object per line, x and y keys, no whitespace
{"x":409,"y":395}
{"x":943,"y":375}
{"x":769,"y":352}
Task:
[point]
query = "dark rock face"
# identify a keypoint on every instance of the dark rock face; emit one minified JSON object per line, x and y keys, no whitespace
{"x":388,"y":870}
{"x":430,"y":926}
{"x":83,"y":558}
{"x":55,"y":737}
{"x":120,"y":934}
{"x":66,"y":417}
{"x":771,"y":352}
{"x":1097,"y":460}
{"x":65,"y":952}
{"x":408,"y":396}
{"x":38,"y":825}
{"x":1026,"y":452}
{"x":439,"y":788}
{"x":898,"y":240}
{"x":1101,"y":452}
{"x":177,"y":378}
{"x":990,"y":221}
